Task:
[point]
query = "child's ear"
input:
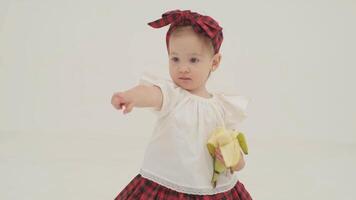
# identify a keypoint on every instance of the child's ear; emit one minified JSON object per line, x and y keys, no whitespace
{"x":216,"y":61}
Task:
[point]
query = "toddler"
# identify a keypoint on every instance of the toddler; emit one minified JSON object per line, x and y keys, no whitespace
{"x":177,"y":163}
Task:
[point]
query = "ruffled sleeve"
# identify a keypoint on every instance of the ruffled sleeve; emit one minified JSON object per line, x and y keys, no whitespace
{"x":234,"y":109}
{"x":170,"y":92}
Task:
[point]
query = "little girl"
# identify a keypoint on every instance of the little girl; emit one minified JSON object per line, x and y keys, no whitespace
{"x":177,"y":163}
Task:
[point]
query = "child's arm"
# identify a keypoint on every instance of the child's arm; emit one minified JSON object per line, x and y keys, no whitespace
{"x":139,"y":96}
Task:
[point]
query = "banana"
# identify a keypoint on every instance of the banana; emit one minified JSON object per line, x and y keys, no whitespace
{"x":214,"y":179}
{"x":224,"y":139}
{"x":243,"y":143}
{"x":231,"y":153}
{"x":219,"y":166}
{"x":214,"y":139}
{"x":230,"y":144}
{"x":211,"y":149}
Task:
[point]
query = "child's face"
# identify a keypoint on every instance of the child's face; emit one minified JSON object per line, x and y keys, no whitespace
{"x":191,"y":58}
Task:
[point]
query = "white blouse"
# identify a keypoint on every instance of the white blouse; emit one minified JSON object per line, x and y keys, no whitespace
{"x":176,"y":155}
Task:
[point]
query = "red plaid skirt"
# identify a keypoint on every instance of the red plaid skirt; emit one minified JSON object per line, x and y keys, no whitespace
{"x":141,"y":188}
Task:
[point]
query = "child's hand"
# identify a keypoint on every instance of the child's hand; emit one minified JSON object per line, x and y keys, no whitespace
{"x":237,"y":167}
{"x":218,"y":155}
{"x":121,"y":101}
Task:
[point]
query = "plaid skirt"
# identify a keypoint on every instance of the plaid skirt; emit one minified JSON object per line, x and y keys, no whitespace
{"x":141,"y":188}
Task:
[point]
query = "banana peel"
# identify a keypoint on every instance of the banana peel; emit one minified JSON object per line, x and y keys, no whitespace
{"x":243,"y":143}
{"x":231,"y":143}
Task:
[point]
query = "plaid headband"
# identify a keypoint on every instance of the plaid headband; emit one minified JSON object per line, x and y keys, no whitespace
{"x":200,"y":23}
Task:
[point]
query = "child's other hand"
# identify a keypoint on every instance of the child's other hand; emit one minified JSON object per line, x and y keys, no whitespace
{"x":120,"y":101}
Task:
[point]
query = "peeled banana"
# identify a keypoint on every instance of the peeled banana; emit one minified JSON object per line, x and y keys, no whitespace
{"x":230,"y":142}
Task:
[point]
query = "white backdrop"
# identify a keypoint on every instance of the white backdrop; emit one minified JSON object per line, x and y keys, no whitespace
{"x":60,"y":62}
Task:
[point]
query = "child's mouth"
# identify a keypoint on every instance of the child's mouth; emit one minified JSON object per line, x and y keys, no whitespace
{"x":182,"y":78}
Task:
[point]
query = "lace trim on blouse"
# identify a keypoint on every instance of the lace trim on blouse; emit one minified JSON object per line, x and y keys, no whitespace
{"x":189,"y":190}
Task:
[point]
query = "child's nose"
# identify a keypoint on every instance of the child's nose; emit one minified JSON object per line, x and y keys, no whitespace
{"x":184,"y":68}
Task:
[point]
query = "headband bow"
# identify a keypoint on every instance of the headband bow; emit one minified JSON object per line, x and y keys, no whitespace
{"x":200,"y":23}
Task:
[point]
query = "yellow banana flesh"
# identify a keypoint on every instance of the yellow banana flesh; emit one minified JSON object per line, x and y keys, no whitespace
{"x":231,"y":153}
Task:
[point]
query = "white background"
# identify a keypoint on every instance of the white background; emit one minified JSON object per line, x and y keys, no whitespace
{"x":60,"y":62}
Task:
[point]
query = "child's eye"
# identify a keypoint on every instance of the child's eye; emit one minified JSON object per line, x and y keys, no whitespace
{"x":194,"y":60}
{"x":175,"y":59}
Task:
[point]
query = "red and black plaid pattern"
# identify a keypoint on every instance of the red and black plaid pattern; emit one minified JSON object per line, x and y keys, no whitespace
{"x":141,"y":188}
{"x":200,"y":23}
